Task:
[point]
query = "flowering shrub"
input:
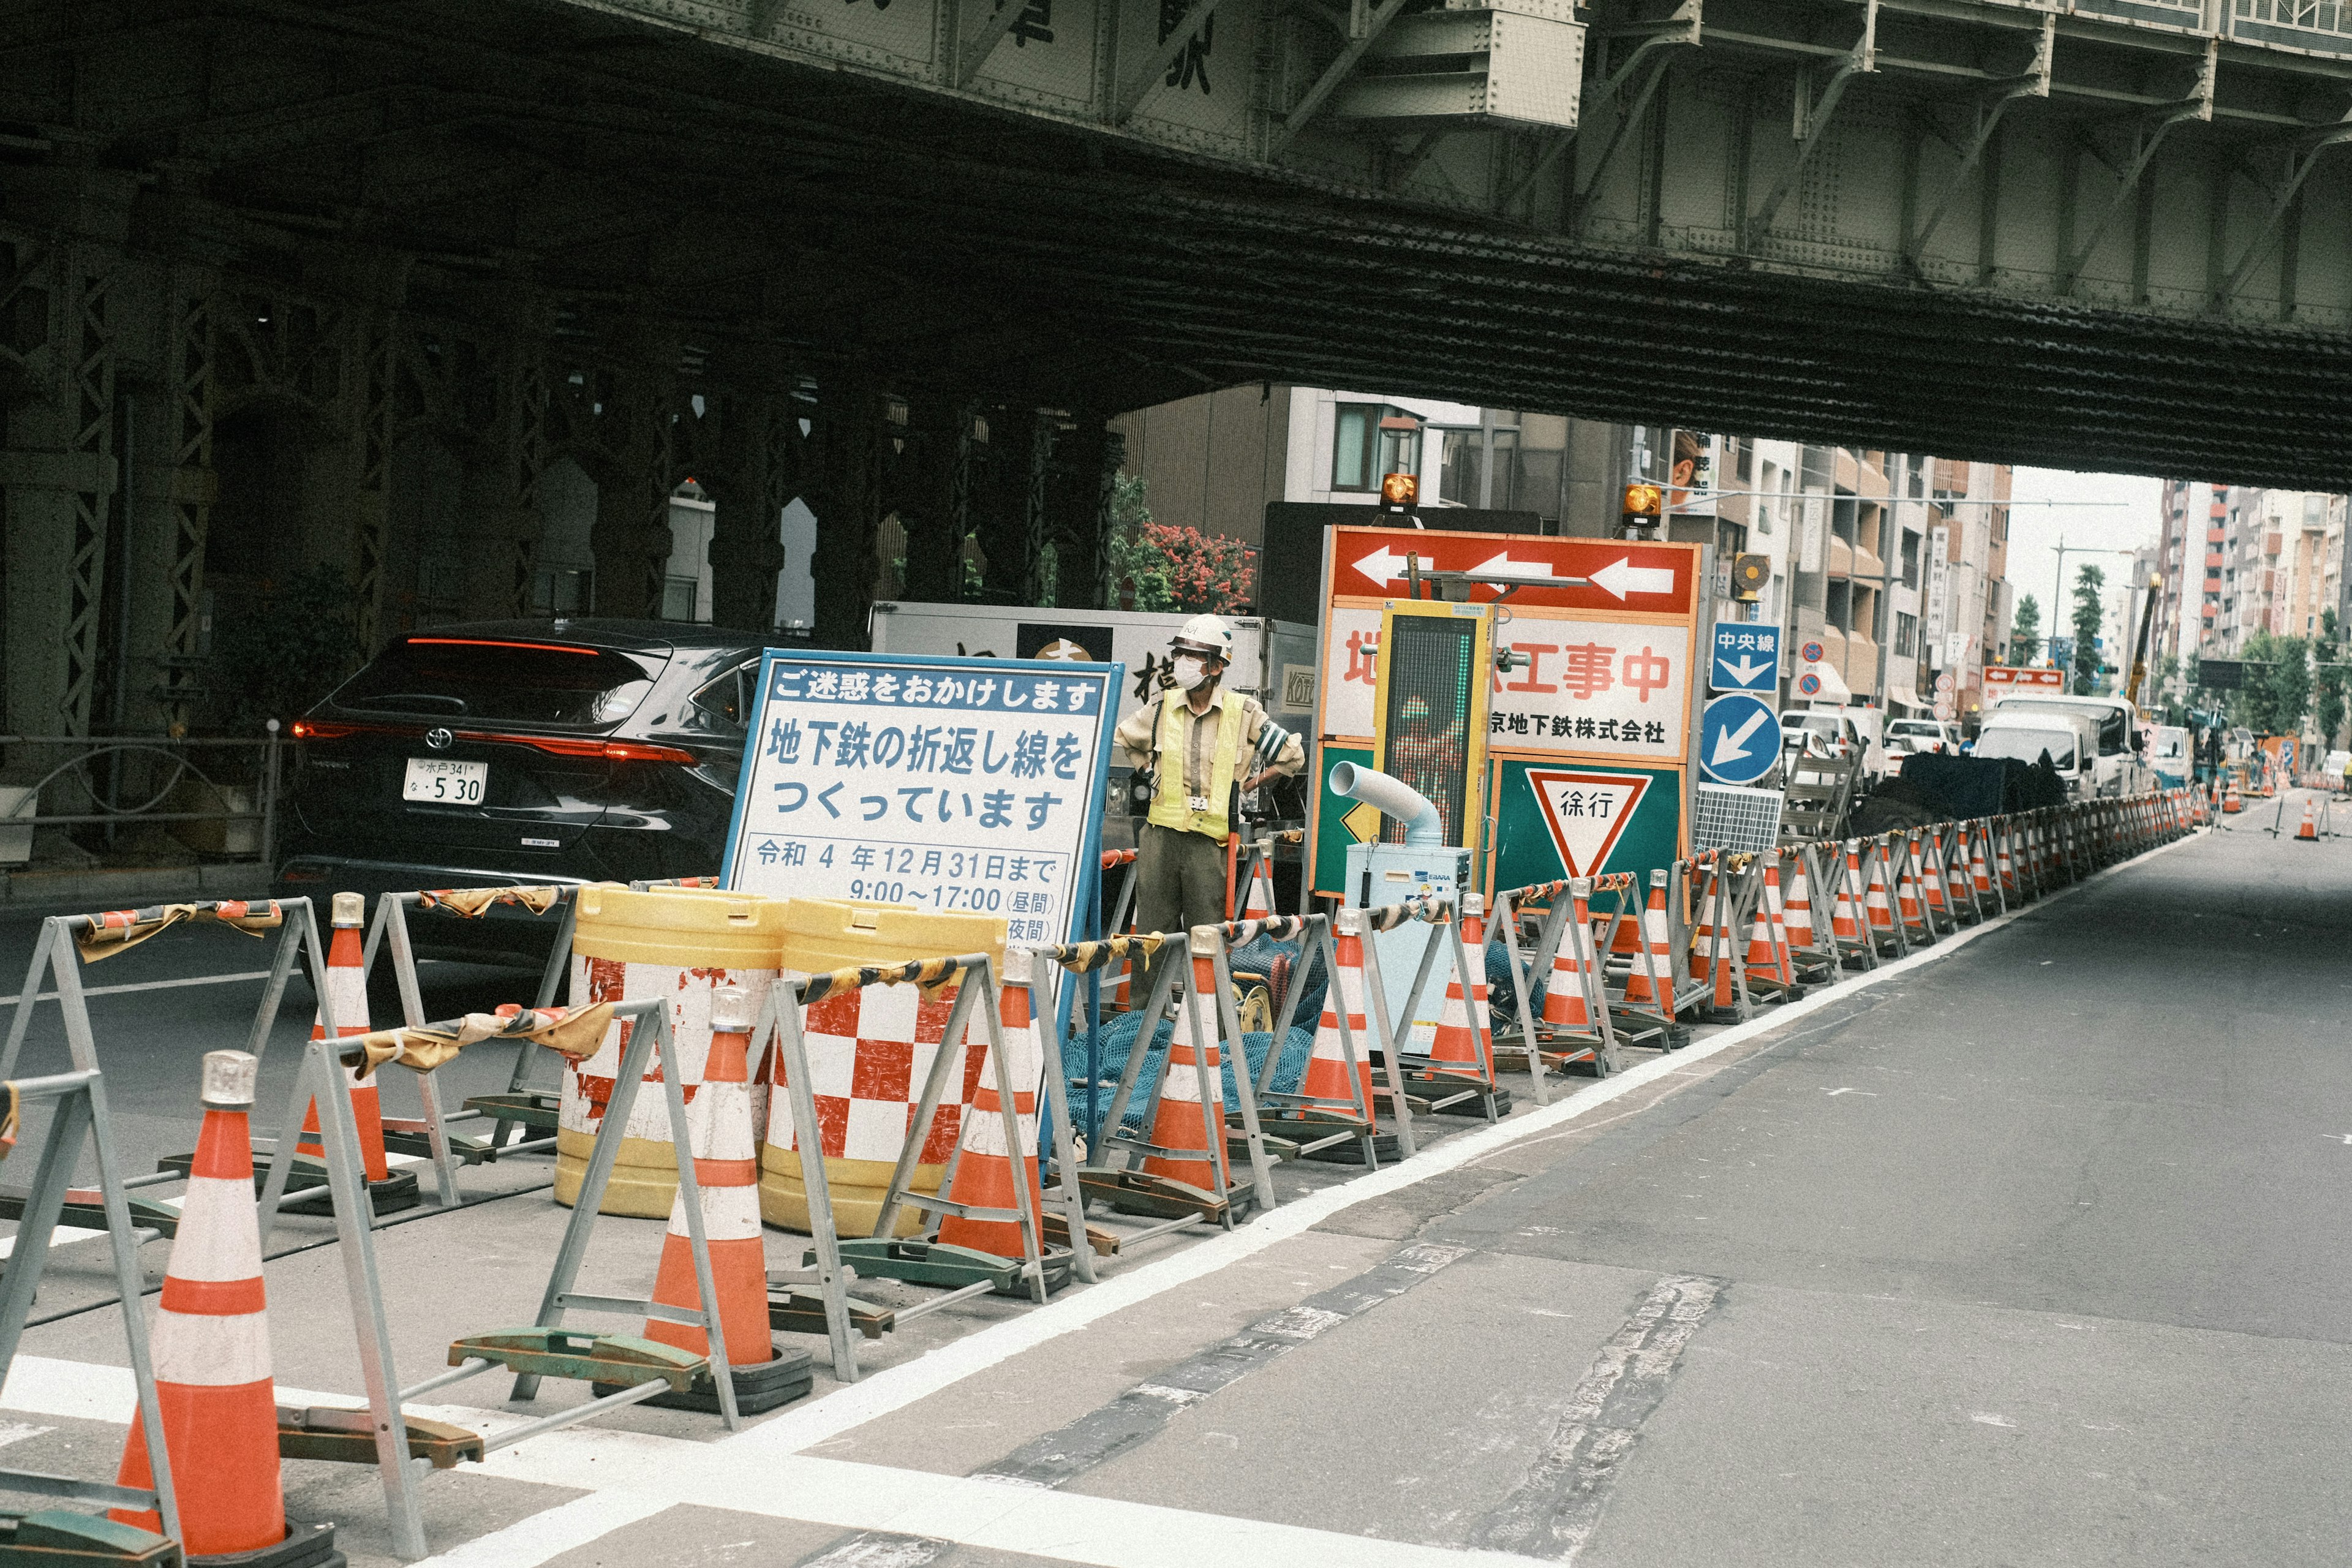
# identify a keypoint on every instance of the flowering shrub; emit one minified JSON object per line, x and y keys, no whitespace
{"x":1172,"y":566}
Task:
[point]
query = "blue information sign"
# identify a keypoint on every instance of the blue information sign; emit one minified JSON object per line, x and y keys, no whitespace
{"x":1739,"y":738}
{"x":1746,"y":658}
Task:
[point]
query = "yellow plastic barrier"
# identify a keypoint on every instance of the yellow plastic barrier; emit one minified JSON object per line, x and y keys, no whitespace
{"x":681,"y":942}
{"x":869,"y":1053}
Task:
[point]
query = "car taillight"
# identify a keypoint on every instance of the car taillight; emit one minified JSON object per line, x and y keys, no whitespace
{"x":333,"y":730}
{"x":608,"y":751}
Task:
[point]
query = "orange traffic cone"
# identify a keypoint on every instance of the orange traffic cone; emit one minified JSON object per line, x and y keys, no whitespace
{"x":1980,"y":869}
{"x":2309,"y":831}
{"x":1327,"y":1070}
{"x":726,"y":1151}
{"x":1876,"y":912}
{"x":212,"y":1345}
{"x":985,"y":1172}
{"x":1907,"y":890}
{"x":1797,"y":911}
{"x":1189,"y":1134}
{"x":1713,"y":941}
{"x":1575,"y":970}
{"x":1846,"y":916}
{"x":1257,"y":904}
{"x":1769,"y":961}
{"x":1463,"y":1044}
{"x":347,"y":990}
{"x":1651,"y":979}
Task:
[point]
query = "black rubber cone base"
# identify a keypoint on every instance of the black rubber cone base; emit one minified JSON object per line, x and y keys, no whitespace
{"x":305,"y":1185}
{"x":758,"y":1389}
{"x":305,"y":1546}
{"x":1351,"y":1152}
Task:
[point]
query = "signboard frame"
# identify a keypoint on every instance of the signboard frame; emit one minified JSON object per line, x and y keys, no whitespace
{"x":1076,"y":886}
{"x":1343,"y":605}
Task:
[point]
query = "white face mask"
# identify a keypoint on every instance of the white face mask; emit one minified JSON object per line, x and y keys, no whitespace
{"x":1189,"y":672}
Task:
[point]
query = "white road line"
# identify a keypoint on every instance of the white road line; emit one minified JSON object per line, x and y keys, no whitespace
{"x":576,"y":1523}
{"x":146,"y":985}
{"x":756,"y":1470}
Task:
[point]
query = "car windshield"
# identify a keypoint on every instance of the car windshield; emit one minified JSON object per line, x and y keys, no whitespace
{"x":2027,"y":745}
{"x":1915,"y":727}
{"x":494,"y":681}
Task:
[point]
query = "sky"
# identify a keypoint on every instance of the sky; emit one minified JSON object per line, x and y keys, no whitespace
{"x":2086,"y":514}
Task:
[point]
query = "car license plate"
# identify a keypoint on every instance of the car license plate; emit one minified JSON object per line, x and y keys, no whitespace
{"x":445,"y":780}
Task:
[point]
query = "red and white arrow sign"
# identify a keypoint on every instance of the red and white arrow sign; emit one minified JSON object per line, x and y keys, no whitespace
{"x":1622,"y":577}
{"x":1503,"y":565}
{"x":1383,"y":566}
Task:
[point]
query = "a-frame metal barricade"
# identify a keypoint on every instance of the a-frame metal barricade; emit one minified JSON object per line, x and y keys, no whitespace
{"x":520,"y":1107}
{"x":61,"y":1535}
{"x":1722,"y":887}
{"x":1421,"y":1072}
{"x":1039,"y":1269}
{"x":1633,"y":1023}
{"x":1597,"y":1042}
{"x":1322,"y":1121}
{"x":1520,"y":1037}
{"x":1125,"y":1185}
{"x":404,"y":1445}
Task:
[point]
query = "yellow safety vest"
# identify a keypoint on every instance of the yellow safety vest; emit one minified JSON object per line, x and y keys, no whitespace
{"x":1171,"y":804}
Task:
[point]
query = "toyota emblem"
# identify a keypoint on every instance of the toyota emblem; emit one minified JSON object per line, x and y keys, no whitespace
{"x":438,"y":739}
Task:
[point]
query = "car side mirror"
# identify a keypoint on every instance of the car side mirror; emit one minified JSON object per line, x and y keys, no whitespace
{"x":2139,"y":741}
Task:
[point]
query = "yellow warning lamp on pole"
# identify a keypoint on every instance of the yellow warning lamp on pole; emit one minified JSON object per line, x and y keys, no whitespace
{"x":1749,"y":575}
{"x":1644,"y":506}
{"x":1400,"y":456}
{"x":1400,"y":490}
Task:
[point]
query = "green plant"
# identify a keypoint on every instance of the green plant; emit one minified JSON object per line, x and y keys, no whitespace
{"x":2024,"y":628}
{"x":298,"y":643}
{"x":2088,"y":615}
{"x":1170,"y":566}
{"x":2329,"y":709}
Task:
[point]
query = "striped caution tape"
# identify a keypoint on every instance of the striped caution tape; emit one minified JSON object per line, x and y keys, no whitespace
{"x":1281,"y":928}
{"x":1084,"y":957}
{"x":928,"y":972}
{"x":1537,"y":891}
{"x":574,"y":1031}
{"x":472,"y":904}
{"x":116,"y":931}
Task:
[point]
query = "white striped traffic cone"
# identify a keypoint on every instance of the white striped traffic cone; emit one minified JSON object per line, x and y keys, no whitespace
{"x":347,"y":989}
{"x":1192,"y":1137}
{"x":1327,"y":1070}
{"x":1657,"y":955}
{"x":1570,"y":996}
{"x":724,"y":1144}
{"x":211,"y":1344}
{"x":985,"y":1169}
{"x":1465,"y":1041}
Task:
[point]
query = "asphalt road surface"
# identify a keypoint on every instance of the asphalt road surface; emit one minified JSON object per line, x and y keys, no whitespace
{"x":2030,"y":1250}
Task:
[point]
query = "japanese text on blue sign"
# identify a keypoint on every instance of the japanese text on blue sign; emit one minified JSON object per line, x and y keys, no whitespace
{"x":958,"y":786}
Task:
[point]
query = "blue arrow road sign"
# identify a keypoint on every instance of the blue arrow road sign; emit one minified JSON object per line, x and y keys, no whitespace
{"x":1746,"y":658}
{"x":1739,"y":738}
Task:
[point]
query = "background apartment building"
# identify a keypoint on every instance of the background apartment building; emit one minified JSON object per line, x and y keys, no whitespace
{"x":2235,"y":560}
{"x":1895,"y":564}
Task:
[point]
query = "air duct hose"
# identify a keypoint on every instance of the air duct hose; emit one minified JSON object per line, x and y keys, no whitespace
{"x":1423,"y":828}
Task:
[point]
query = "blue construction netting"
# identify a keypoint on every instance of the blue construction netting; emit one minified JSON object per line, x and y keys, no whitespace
{"x":1119,"y":1034}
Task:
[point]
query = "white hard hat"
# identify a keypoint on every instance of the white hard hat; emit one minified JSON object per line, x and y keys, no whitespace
{"x":1206,"y":634}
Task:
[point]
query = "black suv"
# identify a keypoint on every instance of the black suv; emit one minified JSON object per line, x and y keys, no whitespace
{"x":502,"y":752}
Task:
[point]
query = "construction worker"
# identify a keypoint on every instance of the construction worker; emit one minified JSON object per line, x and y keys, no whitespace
{"x":1195,"y":742}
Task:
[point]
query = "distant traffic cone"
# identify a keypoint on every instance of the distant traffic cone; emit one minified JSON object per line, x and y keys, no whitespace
{"x":1979,"y":868}
{"x":1876,"y":911}
{"x":1907,"y":894}
{"x":1846,"y":916}
{"x":726,"y":1151}
{"x":1257,"y":904}
{"x":1570,"y":996}
{"x":1769,"y":959}
{"x":347,"y":989}
{"x":2233,"y":802}
{"x":1651,"y":978}
{"x":1797,"y":912}
{"x":2309,"y":831}
{"x":1463,"y":1044}
{"x":985,"y":1170}
{"x":1327,"y":1070}
{"x":210,"y":1347}
{"x":1190,"y":1135}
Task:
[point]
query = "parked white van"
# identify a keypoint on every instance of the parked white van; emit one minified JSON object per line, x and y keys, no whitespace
{"x":2116,"y":767}
{"x":2070,"y":740}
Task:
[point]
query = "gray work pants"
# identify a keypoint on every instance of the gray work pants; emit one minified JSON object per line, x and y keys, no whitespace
{"x":1179,"y":883}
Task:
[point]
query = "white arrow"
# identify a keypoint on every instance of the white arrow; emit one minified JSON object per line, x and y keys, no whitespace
{"x":1731,"y":745}
{"x":1503,"y":565}
{"x":1382,"y":567}
{"x":1745,"y":670}
{"x":1622,"y":577}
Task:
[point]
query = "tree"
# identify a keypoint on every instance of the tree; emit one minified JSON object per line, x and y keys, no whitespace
{"x":2089,"y":614}
{"x":2277,"y":692}
{"x":2024,"y":628}
{"x":1170,"y":566}
{"x":2329,"y":711}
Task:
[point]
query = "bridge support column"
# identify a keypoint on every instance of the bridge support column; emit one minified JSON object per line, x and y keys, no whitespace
{"x":1004,"y":511}
{"x":748,"y":487}
{"x":845,"y":431}
{"x":927,"y":497}
{"x":57,"y":480}
{"x":172,"y":486}
{"x":630,"y":537}
{"x":1085,"y":458}
{"x":502,"y":479}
